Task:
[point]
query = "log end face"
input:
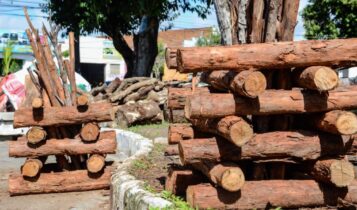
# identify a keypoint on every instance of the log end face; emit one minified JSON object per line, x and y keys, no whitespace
{"x":233,"y":179}
{"x":36,"y":135}
{"x":31,"y":168}
{"x":347,"y":123}
{"x":326,"y":79}
{"x":95,"y":163}
{"x":90,"y":132}
{"x":37,"y":103}
{"x":240,"y":133}
{"x":82,"y":100}
{"x":342,"y":173}
{"x":255,"y":84}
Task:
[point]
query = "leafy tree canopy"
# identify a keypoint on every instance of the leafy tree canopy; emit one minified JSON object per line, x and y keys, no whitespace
{"x":213,"y":39}
{"x":329,"y":19}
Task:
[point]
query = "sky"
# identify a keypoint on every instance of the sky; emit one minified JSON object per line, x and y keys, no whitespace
{"x":11,"y":17}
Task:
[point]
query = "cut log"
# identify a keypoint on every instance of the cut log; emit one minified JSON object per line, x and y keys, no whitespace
{"x":139,"y":94}
{"x":178,"y":132}
{"x":288,"y":22}
{"x":105,"y":144}
{"x":270,"y":102}
{"x":37,"y":103}
{"x":178,"y":180}
{"x":171,"y":150}
{"x":271,"y":194}
{"x":176,"y":98}
{"x":100,"y":89}
{"x":336,"y":122}
{"x":319,"y":78}
{"x":82,"y":100}
{"x":58,"y":116}
{"x":170,"y":58}
{"x":270,"y":29}
{"x":90,"y":132}
{"x":280,"y":55}
{"x":67,"y":181}
{"x":122,"y":94}
{"x":113,"y":86}
{"x":233,"y":128}
{"x":35,"y":135}
{"x":31,"y":167}
{"x":245,"y":83}
{"x":95,"y":163}
{"x":257,"y":23}
{"x":334,"y":171}
{"x":274,"y":146}
{"x":226,"y":175}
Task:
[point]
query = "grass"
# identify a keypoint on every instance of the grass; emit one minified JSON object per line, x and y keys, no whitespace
{"x":151,"y":131}
{"x":178,"y":202}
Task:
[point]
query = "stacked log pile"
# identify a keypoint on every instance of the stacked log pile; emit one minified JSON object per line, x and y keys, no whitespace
{"x":62,"y":124}
{"x":302,"y":165}
{"x":137,"y":100}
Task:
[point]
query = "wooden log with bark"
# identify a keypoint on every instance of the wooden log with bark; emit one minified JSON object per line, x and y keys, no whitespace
{"x":170,"y":58}
{"x":283,"y":146}
{"x":37,"y":103}
{"x":246,"y":83}
{"x":35,"y":135}
{"x":106,"y":144}
{"x":66,"y":181}
{"x":178,"y":132}
{"x":226,"y":175}
{"x":270,"y":102}
{"x":178,"y":180}
{"x":117,"y":96}
{"x":319,"y":78}
{"x":90,"y":132}
{"x":58,"y":116}
{"x":176,"y":97}
{"x":95,"y":163}
{"x":82,"y":100}
{"x":233,"y":128}
{"x":280,"y":55}
{"x":172,"y":149}
{"x":271,"y":194}
{"x":338,"y":172}
{"x":112,"y":86}
{"x":31,"y":167}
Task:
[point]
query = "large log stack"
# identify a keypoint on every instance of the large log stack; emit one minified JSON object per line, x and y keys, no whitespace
{"x":297,"y":166}
{"x":63,"y":124}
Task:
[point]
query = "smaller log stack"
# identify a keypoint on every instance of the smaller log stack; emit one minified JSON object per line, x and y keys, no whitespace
{"x":302,"y":167}
{"x":62,"y":124}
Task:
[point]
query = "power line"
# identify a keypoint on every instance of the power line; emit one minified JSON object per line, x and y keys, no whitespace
{"x":35,"y":16}
{"x":23,"y":1}
{"x":12,"y":5}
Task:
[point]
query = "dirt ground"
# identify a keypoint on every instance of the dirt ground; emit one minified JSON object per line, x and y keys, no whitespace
{"x":90,"y":200}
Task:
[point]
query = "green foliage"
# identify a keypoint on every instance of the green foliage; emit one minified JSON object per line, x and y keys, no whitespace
{"x":329,"y":19}
{"x":213,"y":39}
{"x":178,"y":202}
{"x":8,"y":64}
{"x":65,"y":54}
{"x":158,"y":68}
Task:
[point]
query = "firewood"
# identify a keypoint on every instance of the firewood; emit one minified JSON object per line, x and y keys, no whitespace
{"x":139,"y":94}
{"x":37,"y":103}
{"x":35,"y":135}
{"x":31,"y":167}
{"x":178,"y":179}
{"x":121,"y":95}
{"x":100,"y":89}
{"x":283,"y":146}
{"x":281,"y":55}
{"x":226,"y":175}
{"x":319,"y":78}
{"x":270,"y":29}
{"x":233,"y":128}
{"x":270,"y":102}
{"x":106,"y":144}
{"x":170,"y":58}
{"x":113,"y":86}
{"x":336,"y":122}
{"x":176,"y":98}
{"x":67,"y":181}
{"x":171,"y":150}
{"x":82,"y":100}
{"x":289,"y":194}
{"x":178,"y":132}
{"x":335,"y":171}
{"x":58,"y":116}
{"x":95,"y":163}
{"x":90,"y":132}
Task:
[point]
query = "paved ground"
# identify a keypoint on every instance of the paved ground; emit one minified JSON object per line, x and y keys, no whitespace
{"x":91,"y":200}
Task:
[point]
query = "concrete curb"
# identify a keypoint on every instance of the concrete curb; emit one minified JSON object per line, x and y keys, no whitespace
{"x":126,"y":191}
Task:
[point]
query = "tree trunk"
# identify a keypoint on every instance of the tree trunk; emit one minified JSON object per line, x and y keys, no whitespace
{"x":280,"y":55}
{"x":287,"y":194}
{"x":257,"y":25}
{"x":270,"y":28}
{"x":124,"y":49}
{"x":226,"y":175}
{"x":337,"y":172}
{"x":145,"y":47}
{"x":234,"y":129}
{"x":270,"y":102}
{"x":290,"y":147}
{"x":58,"y":116}
{"x":178,"y":180}
{"x":67,"y":181}
{"x":223,"y":11}
{"x":105,"y":145}
{"x":178,"y":132}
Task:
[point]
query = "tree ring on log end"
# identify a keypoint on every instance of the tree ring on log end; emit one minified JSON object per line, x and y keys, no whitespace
{"x":326,"y":79}
{"x":255,"y":84}
{"x":342,"y":173}
{"x":233,"y":179}
{"x":241,"y":133}
{"x":347,"y":123}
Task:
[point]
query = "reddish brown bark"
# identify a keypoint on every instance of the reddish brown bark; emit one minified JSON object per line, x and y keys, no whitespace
{"x":319,"y":78}
{"x":274,"y":146}
{"x":170,"y":58}
{"x":171,"y":150}
{"x":57,"y":116}
{"x":269,"y":194}
{"x":67,"y":181}
{"x":176,"y":98}
{"x":178,"y":180}
{"x":106,"y":144}
{"x":270,"y":102}
{"x":280,"y":55}
{"x":178,"y":132}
